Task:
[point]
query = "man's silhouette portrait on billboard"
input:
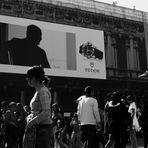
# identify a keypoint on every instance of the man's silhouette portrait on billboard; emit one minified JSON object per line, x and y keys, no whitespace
{"x":24,"y":52}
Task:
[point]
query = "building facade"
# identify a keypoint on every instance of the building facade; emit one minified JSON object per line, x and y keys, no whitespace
{"x":125,"y":41}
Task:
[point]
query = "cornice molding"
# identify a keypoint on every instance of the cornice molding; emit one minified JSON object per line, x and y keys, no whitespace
{"x":69,"y":16}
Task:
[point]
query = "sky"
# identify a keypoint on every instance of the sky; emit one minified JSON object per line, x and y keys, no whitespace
{"x":139,"y":4}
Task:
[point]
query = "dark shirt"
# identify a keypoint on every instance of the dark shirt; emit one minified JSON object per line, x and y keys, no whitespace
{"x":22,"y":52}
{"x":144,"y":117}
{"x":117,"y":115}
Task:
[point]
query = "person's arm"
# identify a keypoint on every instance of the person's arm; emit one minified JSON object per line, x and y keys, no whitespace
{"x":78,"y":112}
{"x":133,"y":113}
{"x":71,"y":123}
{"x":44,"y":61}
{"x":96,"y":112}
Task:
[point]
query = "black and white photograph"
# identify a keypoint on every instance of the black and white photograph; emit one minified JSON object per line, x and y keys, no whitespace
{"x":73,"y":74}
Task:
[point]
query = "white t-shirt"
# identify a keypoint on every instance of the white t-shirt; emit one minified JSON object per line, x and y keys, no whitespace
{"x":135,"y":120}
{"x":88,"y":112}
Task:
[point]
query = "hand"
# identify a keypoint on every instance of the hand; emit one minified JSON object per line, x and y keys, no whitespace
{"x":29,"y":118}
{"x":99,"y":125}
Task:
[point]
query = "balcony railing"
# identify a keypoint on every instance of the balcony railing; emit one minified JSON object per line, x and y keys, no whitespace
{"x":94,"y":6}
{"x":115,"y":73}
{"x":104,"y":8}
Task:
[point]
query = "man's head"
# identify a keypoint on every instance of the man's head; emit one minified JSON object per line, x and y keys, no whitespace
{"x":89,"y":91}
{"x":34,"y":34}
{"x":117,"y":96}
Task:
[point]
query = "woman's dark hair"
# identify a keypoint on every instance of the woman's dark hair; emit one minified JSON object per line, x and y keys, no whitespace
{"x":37,"y":72}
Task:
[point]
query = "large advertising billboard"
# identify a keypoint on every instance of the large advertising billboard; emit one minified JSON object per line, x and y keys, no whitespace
{"x":62,"y":50}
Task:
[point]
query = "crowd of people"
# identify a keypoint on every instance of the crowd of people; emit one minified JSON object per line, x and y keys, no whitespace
{"x":43,"y":125}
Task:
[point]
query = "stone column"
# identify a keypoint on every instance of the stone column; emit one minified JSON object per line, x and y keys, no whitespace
{"x":146,"y":40}
{"x":136,"y":56}
{"x":110,"y":51}
{"x":127,"y":46}
{"x":22,"y":97}
{"x":55,"y":97}
{"x":113,"y":53}
{"x":131,"y":57}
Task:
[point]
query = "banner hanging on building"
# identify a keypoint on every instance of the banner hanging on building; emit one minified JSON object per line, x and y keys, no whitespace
{"x":61,"y":49}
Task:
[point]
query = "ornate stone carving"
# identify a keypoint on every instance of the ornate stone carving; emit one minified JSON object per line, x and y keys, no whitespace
{"x":28,"y":8}
{"x":68,"y":15}
{"x":49,"y":12}
{"x":77,"y":18}
{"x":87,"y":19}
{"x":60,"y":14}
